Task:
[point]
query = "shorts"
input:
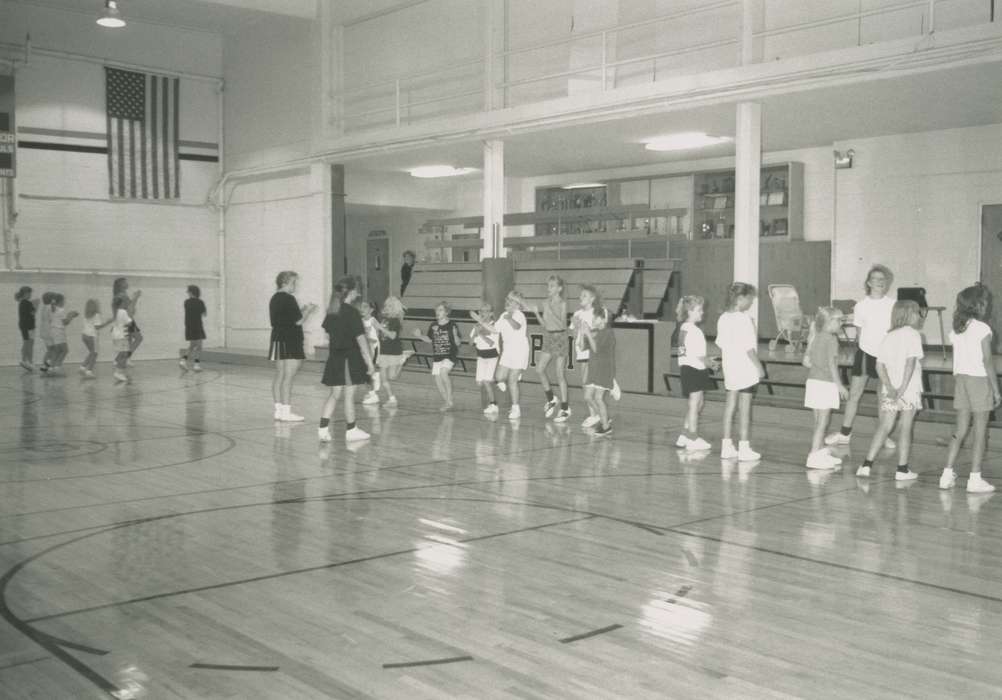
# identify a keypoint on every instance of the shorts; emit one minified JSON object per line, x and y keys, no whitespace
{"x":441,"y":367}
{"x":134,"y":327}
{"x":555,"y":343}
{"x":486,"y":368}
{"x":972,"y":393}
{"x":384,"y":360}
{"x":864,"y":364}
{"x":695,"y":380}
{"x":908,"y":402}
{"x":821,"y":395}
{"x":515,"y":360}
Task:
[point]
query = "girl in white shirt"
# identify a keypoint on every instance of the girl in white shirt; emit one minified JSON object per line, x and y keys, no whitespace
{"x":899,"y":365}
{"x":976,"y":385}
{"x":693,"y":369}
{"x":581,"y":323}
{"x":514,"y":332}
{"x":121,"y":321}
{"x":92,"y":323}
{"x":486,"y":340}
{"x":738,"y":343}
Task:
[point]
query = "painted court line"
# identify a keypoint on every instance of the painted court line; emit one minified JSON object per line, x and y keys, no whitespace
{"x":230,"y":667}
{"x":430,"y":662}
{"x":586,"y":635}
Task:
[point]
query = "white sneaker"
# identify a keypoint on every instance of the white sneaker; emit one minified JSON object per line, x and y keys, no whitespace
{"x":392,"y":401}
{"x":82,"y":369}
{"x":88,"y":374}
{"x":838,"y":439}
{"x":289,"y":417}
{"x":697,"y":445}
{"x":197,"y":367}
{"x":948,"y":479}
{"x":905,"y":476}
{"x":120,"y":376}
{"x":183,"y":365}
{"x":502,"y":387}
{"x":550,"y":408}
{"x":590,"y":421}
{"x":821,"y":459}
{"x":890,"y":444}
{"x":279,"y":411}
{"x":863,"y":471}
{"x":746,"y":453}
{"x":355,"y":434}
{"x":616,"y":392}
{"x":324,"y":434}
{"x":682,"y":441}
{"x":727,"y":450}
{"x":492,"y":410}
{"x":515,"y":413}
{"x":562,"y":417}
{"x":371,"y":398}
{"x":976,"y":484}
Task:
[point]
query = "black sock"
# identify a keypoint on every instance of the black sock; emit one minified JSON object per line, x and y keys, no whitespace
{"x":902,"y":467}
{"x":549,"y":395}
{"x":184,"y":356}
{"x":563,"y":405}
{"x":494,"y":403}
{"x":324,"y":422}
{"x":867,"y":462}
{"x":349,"y":426}
{"x":128,"y":354}
{"x":846,"y":431}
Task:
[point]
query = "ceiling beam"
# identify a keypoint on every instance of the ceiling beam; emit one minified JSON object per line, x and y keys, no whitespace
{"x":307,"y":9}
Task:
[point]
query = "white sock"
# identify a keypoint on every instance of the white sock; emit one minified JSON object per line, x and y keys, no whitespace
{"x":744,"y":443}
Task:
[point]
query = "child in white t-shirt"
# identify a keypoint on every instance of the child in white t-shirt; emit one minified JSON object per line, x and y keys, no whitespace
{"x":486,"y":340}
{"x":899,"y":365}
{"x":976,"y":385}
{"x":581,"y":323}
{"x":738,"y":343}
{"x":92,"y":323}
{"x":513,"y":328}
{"x":824,"y":387}
{"x":121,"y":322}
{"x":693,"y":369}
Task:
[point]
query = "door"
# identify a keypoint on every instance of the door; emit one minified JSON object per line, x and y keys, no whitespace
{"x":991,"y":263}
{"x":377,"y":274}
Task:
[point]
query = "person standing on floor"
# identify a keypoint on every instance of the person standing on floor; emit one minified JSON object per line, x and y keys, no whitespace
{"x":26,"y":324}
{"x":738,"y":342}
{"x":693,"y":368}
{"x":601,"y":342}
{"x":194,"y":328}
{"x":824,"y":388}
{"x":553,"y":319}
{"x":92,"y":323}
{"x":443,"y":336}
{"x":45,"y":329}
{"x":514,"y":331}
{"x":287,"y":319}
{"x":120,"y":288}
{"x":406,"y":269}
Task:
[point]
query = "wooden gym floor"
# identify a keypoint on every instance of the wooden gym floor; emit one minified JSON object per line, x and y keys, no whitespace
{"x":166,"y":540}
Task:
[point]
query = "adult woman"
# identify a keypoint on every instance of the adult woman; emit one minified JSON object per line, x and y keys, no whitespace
{"x":287,"y":319}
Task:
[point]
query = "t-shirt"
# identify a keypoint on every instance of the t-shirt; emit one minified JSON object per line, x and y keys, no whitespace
{"x":485,"y":341}
{"x":899,"y":345}
{"x":90,"y":325}
{"x":392,"y":346}
{"x":284,"y":311}
{"x":26,"y":315}
{"x":873,"y":318}
{"x":194,"y":310}
{"x":58,"y":326}
{"x":823,"y":355}
{"x":344,"y":327}
{"x":967,"y":356}
{"x":692,"y":348}
{"x":584,"y":318}
{"x":119,"y":328}
{"x":443,"y":341}
{"x":514,"y":341}
{"x":371,"y":332}
{"x":554,"y":315}
{"x":736,"y":337}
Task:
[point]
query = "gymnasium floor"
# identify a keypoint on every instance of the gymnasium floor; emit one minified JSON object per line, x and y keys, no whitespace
{"x":166,"y":540}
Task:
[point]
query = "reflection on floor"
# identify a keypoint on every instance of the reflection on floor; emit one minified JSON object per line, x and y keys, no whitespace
{"x":166,"y":539}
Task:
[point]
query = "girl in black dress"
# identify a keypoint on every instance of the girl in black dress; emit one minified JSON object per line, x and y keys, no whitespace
{"x":287,"y":319}
{"x":349,"y":362}
{"x":26,"y":324}
{"x":194,"y":329}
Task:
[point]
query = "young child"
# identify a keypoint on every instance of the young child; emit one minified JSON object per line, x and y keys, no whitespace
{"x":391,"y":354}
{"x":92,"y":323}
{"x":45,"y":329}
{"x":581,"y":323}
{"x":976,"y":385}
{"x":514,"y":349}
{"x":553,"y":319}
{"x":486,"y":340}
{"x":824,"y":385}
{"x":601,"y":368}
{"x":443,"y":335}
{"x":59,"y":318}
{"x":738,"y":342}
{"x":121,"y":322}
{"x":349,"y":361}
{"x":899,"y":366}
{"x":693,"y":366}
{"x":194,"y":329}
{"x":872,"y":315}
{"x":371,"y":326}
{"x":26,"y":324}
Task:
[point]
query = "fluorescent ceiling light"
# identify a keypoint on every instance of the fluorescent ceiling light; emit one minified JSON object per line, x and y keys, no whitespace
{"x":439,"y":171}
{"x":685,"y":141}
{"x":111,"y":17}
{"x":582,"y":185}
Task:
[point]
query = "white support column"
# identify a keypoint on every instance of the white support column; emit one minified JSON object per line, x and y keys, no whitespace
{"x":748,"y":164}
{"x":492,"y":235}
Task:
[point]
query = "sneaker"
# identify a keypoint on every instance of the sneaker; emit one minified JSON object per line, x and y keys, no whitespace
{"x":747,"y":454}
{"x":324,"y":434}
{"x":863,"y":471}
{"x":697,"y":445}
{"x":120,"y":376}
{"x":88,"y":374}
{"x":82,"y":369}
{"x":604,"y":430}
{"x":392,"y":401}
{"x":43,"y":369}
{"x":562,"y":417}
{"x":890,"y":444}
{"x":590,"y":421}
{"x":682,"y":441}
{"x":838,"y":439}
{"x":27,"y":366}
{"x":616,"y":392}
{"x":550,"y":408}
{"x":727,"y":450}
{"x":355,"y":434}
{"x":976,"y":484}
{"x":197,"y":367}
{"x":502,"y":387}
{"x":289,"y":417}
{"x":183,"y":365}
{"x":905,"y":476}
{"x":515,"y":413}
{"x":371,"y":398}
{"x":492,"y":410}
{"x":279,"y":411}
{"x":821,"y":459}
{"x":948,"y":479}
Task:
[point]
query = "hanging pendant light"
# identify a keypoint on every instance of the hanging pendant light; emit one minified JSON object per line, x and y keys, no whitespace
{"x":111,"y":17}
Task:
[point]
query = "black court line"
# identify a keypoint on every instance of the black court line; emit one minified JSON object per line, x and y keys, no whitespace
{"x":73,"y":645}
{"x":230,"y":667}
{"x":430,"y":662}
{"x":680,"y":593}
{"x":690,"y":557}
{"x":25,"y":662}
{"x":593,"y":633}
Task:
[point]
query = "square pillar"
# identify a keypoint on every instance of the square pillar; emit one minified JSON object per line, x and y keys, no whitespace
{"x":492,"y":235}
{"x":748,"y":174}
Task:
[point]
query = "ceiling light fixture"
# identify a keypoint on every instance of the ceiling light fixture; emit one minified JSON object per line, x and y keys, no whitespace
{"x":428,"y":171}
{"x":685,"y":141}
{"x":582,"y":185}
{"x":111,"y":17}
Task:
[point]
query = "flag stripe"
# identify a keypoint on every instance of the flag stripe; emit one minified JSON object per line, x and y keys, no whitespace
{"x":132,"y":159}
{"x":153,"y":138}
{"x":121,"y":158}
{"x":111,"y":169}
{"x":142,"y":147}
{"x":166,"y":143}
{"x":177,"y":138}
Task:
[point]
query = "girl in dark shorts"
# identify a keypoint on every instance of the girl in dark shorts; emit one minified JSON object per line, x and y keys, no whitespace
{"x":694,"y":369}
{"x":349,"y":362}
{"x":287,"y":319}
{"x":26,"y":324}
{"x":194,"y":329}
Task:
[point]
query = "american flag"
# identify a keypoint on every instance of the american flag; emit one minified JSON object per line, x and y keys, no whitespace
{"x":142,"y":111}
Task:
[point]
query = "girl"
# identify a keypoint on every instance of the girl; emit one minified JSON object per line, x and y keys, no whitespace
{"x":45,"y":329}
{"x":349,"y":362}
{"x":121,"y":322}
{"x":553,"y":319}
{"x":692,"y":366}
{"x":486,"y":339}
{"x":899,"y":367}
{"x":194,"y":329}
{"x":602,"y":368}
{"x":514,"y":349}
{"x":443,"y":335}
{"x":391,"y":355}
{"x":738,"y":344}
{"x":824,"y":385}
{"x":872,"y":315}
{"x":371,"y":326}
{"x":287,"y":319}
{"x":976,"y":385}
{"x":120,"y":288}
{"x":92,"y":323}
{"x":581,"y":322}
{"x":26,"y":324}
{"x":58,"y":320}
